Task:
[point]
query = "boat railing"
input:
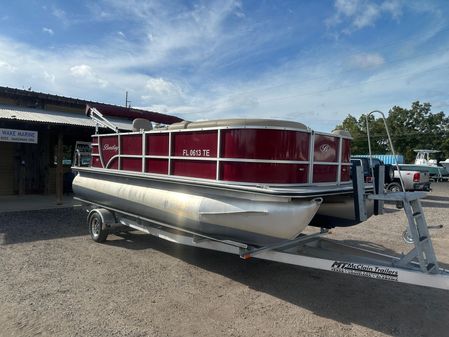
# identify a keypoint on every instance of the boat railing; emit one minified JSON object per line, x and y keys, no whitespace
{"x":395,"y":158}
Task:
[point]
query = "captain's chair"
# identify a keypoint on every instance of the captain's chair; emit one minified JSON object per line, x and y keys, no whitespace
{"x":142,"y":124}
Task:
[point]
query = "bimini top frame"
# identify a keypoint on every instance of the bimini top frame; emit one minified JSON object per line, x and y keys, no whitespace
{"x":99,"y":119}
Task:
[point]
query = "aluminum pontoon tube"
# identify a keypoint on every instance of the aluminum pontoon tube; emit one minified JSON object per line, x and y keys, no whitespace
{"x":257,"y":222}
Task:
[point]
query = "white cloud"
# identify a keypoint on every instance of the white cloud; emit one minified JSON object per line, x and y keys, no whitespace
{"x":48,"y":30}
{"x":359,"y":14}
{"x":59,"y":13}
{"x":158,"y":91}
{"x":367,"y":60}
{"x":367,"y":16}
{"x":82,"y":70}
{"x":347,"y":7}
{"x":394,"y":7}
{"x":85,"y":72}
{"x":7,"y":67}
{"x":160,"y":86}
{"x":50,"y":77}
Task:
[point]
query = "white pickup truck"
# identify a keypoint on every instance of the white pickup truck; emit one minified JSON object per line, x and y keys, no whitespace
{"x":413,"y":180}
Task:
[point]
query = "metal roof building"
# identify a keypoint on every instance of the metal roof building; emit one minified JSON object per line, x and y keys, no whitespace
{"x":39,"y":133}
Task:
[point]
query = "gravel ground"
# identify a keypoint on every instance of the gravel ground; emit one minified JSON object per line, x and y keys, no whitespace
{"x":55,"y":281}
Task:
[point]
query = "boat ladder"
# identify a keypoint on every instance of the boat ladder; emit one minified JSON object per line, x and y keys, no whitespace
{"x":417,"y":230}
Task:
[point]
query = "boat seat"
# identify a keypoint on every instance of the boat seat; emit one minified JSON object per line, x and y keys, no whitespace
{"x":142,"y":124}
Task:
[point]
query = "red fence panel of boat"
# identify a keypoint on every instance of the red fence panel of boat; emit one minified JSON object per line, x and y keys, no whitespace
{"x":194,"y":168}
{"x":96,"y":162}
{"x":131,"y":164}
{"x":156,"y":165}
{"x":108,"y":149}
{"x":345,"y":173}
{"x":131,"y":144}
{"x":325,"y":149}
{"x":265,"y":173}
{"x":265,"y":144}
{"x":346,"y":151}
{"x":195,"y":144}
{"x":324,"y":173}
{"x":157,"y":144}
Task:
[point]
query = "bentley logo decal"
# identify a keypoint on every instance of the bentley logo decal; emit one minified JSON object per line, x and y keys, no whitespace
{"x":108,"y":147}
{"x":324,"y":148}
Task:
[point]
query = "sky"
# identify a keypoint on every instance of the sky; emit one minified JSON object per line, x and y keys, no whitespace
{"x":313,"y":62}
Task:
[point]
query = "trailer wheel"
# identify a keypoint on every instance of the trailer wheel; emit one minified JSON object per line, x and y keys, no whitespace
{"x":96,"y":231}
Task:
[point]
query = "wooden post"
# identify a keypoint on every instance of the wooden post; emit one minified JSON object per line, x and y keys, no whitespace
{"x":59,"y":175}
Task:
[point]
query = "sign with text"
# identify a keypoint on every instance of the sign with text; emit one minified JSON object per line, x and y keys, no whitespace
{"x":85,"y":148}
{"x":18,"y":136}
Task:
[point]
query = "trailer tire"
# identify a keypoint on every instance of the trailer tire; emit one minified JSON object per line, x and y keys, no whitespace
{"x":96,"y":231}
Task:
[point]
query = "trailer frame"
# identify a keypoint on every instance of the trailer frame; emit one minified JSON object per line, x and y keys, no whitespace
{"x":314,"y":251}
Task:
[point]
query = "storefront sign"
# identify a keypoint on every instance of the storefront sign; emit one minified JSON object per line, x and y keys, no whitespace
{"x":18,"y":136}
{"x":84,"y":148}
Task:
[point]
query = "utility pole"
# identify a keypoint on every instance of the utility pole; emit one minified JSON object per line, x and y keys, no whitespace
{"x":126,"y":101}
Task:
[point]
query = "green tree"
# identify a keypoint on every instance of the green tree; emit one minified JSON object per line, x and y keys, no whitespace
{"x":358,"y":130}
{"x":410,"y":129}
{"x":417,"y":128}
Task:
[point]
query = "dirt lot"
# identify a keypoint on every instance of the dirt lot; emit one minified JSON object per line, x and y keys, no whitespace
{"x":55,"y":281}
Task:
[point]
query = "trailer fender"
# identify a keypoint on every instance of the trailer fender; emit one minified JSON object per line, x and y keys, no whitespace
{"x":107,"y":217}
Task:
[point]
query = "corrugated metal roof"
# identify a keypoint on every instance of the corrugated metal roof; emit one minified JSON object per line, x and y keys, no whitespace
{"x":56,"y":117}
{"x":104,"y":108}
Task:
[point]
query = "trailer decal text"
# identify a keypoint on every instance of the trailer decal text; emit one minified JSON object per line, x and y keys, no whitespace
{"x":358,"y":269}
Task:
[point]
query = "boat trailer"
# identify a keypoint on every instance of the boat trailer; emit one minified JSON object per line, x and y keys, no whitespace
{"x":418,"y":267}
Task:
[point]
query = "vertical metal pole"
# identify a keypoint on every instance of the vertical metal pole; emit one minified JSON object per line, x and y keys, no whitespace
{"x":379,"y":179}
{"x":311,"y":156}
{"x":144,"y":149}
{"x":169,"y":151}
{"x":359,"y":192}
{"x":217,"y":172}
{"x":59,"y":174}
{"x":340,"y":154}
{"x":119,"y":152}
